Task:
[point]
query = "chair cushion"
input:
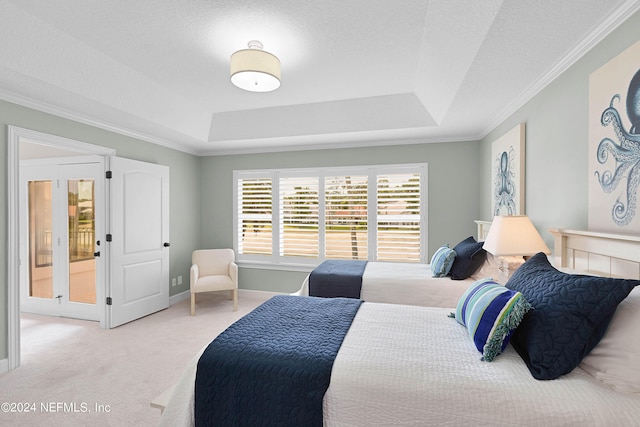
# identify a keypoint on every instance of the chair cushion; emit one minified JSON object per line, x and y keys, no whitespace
{"x":213,"y":283}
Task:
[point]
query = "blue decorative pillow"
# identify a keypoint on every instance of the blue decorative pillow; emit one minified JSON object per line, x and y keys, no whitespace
{"x":571,"y":314}
{"x":469,"y":257}
{"x":490,"y":313}
{"x":442,"y":261}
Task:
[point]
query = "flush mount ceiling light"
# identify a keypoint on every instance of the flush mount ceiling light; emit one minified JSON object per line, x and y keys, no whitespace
{"x":254,"y":69}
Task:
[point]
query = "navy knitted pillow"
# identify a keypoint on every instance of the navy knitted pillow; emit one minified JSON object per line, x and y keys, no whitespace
{"x":570,"y":315}
{"x":469,"y":257}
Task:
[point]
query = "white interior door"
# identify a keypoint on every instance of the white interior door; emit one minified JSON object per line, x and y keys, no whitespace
{"x":139,"y":247}
{"x":61,"y":207}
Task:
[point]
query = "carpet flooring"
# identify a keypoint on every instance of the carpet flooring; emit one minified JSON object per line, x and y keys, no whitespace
{"x":75,"y":374}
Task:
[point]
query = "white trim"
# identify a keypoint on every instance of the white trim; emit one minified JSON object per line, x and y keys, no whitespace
{"x":4,"y":366}
{"x":605,"y":28}
{"x":81,"y":118}
{"x":262,"y":265}
{"x":174,"y":299}
{"x":241,"y":292}
{"x":14,"y":136}
{"x":262,"y":294}
{"x":41,"y":138}
{"x":13,"y":248}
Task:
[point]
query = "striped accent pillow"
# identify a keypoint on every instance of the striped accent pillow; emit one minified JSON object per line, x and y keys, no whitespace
{"x":441,"y":261}
{"x":490,"y":312}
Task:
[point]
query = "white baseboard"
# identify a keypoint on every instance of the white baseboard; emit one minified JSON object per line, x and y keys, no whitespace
{"x":241,"y":292}
{"x":261,"y":294}
{"x":4,"y":366}
{"x":179,"y":297}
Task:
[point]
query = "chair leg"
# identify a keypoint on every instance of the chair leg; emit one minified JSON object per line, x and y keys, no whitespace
{"x":235,"y":299}
{"x":193,"y":304}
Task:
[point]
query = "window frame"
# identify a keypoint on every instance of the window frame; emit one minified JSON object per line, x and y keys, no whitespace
{"x":294,"y":263}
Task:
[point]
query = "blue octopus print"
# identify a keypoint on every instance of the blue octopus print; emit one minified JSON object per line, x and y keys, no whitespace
{"x":625,"y":152}
{"x":503,"y":182}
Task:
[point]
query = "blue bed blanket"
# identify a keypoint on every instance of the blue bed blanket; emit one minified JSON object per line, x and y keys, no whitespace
{"x":273,"y":366}
{"x":337,"y":278}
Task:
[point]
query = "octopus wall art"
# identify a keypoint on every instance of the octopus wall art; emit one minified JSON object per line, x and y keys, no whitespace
{"x":507,"y":172}
{"x":625,"y":151}
{"x":504,"y":184}
{"x":614,"y":144}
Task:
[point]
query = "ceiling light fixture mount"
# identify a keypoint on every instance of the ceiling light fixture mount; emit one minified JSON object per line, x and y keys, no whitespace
{"x":254,"y":69}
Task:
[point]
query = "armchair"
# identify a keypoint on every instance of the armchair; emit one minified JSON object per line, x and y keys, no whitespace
{"x":213,"y":270}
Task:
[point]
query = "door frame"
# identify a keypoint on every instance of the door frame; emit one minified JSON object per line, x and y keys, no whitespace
{"x":15,"y":136}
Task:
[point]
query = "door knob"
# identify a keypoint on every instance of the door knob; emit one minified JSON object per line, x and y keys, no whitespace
{"x":167,"y":244}
{"x":96,"y":254}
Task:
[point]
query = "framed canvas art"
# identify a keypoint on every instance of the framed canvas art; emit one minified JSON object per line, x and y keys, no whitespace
{"x":614,"y":144}
{"x":507,"y":173}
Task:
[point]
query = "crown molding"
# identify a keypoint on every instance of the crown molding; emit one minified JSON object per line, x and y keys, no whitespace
{"x":612,"y":22}
{"x":45,"y":107}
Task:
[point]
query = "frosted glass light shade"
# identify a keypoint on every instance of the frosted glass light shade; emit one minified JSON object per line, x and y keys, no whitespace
{"x":514,"y":235}
{"x":255,"y":70}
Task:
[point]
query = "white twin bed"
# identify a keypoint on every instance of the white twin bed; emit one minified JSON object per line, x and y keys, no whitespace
{"x":401,"y":364}
{"x":413,"y":283}
{"x":404,"y":283}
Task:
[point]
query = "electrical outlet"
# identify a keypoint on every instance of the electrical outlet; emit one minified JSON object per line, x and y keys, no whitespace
{"x":180,"y":280}
{"x":173,"y":281}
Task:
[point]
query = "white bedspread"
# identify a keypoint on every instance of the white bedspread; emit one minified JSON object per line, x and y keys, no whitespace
{"x":406,"y":283}
{"x":404,"y":365}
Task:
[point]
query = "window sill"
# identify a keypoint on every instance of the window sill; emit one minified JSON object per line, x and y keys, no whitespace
{"x":307,"y":268}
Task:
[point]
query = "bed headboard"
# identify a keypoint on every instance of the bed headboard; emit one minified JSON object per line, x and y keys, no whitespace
{"x":603,"y":254}
{"x":590,"y":252}
{"x":483,"y":229}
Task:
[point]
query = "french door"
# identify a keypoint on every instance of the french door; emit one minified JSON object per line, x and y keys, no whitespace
{"x":61,"y":209}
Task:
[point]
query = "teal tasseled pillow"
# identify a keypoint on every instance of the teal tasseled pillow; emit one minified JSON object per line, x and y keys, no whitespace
{"x":490,"y":312}
{"x":442,"y":260}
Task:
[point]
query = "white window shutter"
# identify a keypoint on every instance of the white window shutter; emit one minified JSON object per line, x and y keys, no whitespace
{"x":398,"y":217}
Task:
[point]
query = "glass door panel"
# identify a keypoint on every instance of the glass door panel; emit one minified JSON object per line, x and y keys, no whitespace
{"x":40,"y":239}
{"x":81,"y":223}
{"x":61,"y":203}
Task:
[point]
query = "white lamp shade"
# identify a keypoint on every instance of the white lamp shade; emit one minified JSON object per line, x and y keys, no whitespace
{"x":514,"y":235}
{"x":255,"y":70}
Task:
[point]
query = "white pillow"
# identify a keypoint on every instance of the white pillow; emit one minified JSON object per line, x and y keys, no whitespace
{"x":616,"y":359}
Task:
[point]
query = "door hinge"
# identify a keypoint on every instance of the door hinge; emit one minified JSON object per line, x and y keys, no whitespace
{"x":109,"y":237}
{"x":109,"y":301}
{"x":109,"y":175}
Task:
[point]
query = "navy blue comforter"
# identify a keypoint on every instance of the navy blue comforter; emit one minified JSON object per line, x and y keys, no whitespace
{"x":273,"y":366}
{"x":337,"y":278}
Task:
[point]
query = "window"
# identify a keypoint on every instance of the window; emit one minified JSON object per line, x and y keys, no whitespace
{"x":255,"y":216}
{"x":300,"y":217}
{"x":346,"y":217}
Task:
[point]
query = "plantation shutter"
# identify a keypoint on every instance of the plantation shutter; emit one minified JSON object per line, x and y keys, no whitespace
{"x":299,"y":216}
{"x":255,"y":228}
{"x":346,"y":219}
{"x":398,"y":218}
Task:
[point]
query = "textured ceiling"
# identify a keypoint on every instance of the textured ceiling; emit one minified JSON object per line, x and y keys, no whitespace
{"x":354,"y":72}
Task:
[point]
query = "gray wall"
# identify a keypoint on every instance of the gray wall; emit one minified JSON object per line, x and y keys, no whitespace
{"x":184,"y":198}
{"x":453,"y":194}
{"x":556,"y":184}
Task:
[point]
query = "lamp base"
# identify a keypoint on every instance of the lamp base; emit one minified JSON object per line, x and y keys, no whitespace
{"x":508,"y":265}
